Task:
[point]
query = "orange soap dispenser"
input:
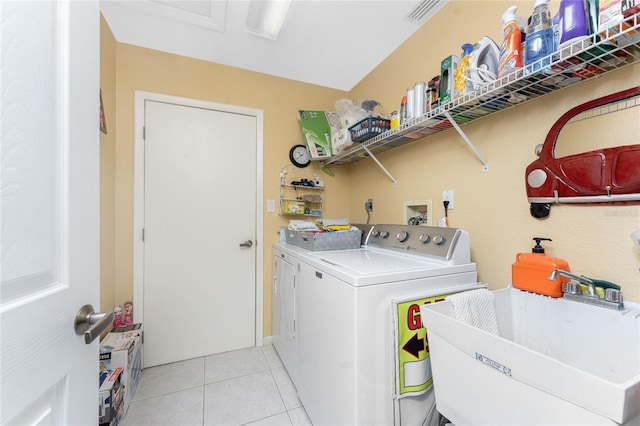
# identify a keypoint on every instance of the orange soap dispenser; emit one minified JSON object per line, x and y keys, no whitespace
{"x":530,"y":272}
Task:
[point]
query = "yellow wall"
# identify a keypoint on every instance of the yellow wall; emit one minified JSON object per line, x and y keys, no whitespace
{"x":107,"y":169}
{"x":492,"y":205}
{"x":153,"y":71}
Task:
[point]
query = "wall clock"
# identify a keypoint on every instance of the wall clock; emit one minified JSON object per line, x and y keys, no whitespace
{"x":299,"y":156}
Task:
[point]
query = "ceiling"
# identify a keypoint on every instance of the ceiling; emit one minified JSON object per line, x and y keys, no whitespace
{"x":334,"y":44}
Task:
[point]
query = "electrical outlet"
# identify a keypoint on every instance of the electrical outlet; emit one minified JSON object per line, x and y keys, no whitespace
{"x":368,"y":206}
{"x":448,"y":196}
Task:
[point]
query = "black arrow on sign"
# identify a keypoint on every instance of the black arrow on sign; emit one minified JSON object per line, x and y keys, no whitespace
{"x":414,"y":346}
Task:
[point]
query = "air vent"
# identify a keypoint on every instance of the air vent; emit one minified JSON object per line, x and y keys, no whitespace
{"x":425,"y":11}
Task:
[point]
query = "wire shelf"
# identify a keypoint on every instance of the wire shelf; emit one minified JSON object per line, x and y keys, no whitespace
{"x":580,"y":61}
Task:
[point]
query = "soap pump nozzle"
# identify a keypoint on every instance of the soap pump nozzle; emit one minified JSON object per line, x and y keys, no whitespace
{"x":538,"y":248}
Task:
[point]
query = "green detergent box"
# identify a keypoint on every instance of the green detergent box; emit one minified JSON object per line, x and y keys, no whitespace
{"x":316,"y":131}
{"x":447,"y":78}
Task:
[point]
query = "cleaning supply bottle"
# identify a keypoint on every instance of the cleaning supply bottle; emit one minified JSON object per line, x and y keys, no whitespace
{"x":510,"y":51}
{"x":403,"y":110}
{"x":462,"y":85}
{"x":530,"y":272}
{"x":539,"y":38}
{"x":573,"y":22}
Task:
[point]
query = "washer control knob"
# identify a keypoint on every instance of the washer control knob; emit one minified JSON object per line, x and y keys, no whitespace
{"x":384,"y":234}
{"x":424,"y":238}
{"x":375,"y":234}
{"x":438,"y":240}
{"x":402,"y":236}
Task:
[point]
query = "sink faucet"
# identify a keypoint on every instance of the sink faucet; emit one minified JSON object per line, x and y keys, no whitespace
{"x":571,"y":290}
{"x":580,"y":278}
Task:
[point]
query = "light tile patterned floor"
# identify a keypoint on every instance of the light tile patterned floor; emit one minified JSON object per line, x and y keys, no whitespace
{"x":245,"y":387}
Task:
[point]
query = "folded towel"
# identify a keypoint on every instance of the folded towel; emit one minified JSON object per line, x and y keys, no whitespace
{"x":476,"y":308}
{"x":302,"y":225}
{"x":331,"y":222}
{"x":337,"y":227}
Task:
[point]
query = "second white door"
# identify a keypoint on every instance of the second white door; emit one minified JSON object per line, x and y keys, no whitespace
{"x":199,"y":232}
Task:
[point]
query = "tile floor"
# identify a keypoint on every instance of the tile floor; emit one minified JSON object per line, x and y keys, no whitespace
{"x":245,"y":387}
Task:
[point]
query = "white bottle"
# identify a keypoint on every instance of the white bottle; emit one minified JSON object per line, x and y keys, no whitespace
{"x":410,"y":103}
{"x":419,"y":100}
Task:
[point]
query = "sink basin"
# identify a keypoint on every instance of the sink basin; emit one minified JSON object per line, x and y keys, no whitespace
{"x":555,"y":361}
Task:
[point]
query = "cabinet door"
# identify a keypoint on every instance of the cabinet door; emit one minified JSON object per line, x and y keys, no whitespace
{"x":276,"y":332}
{"x":288,"y":300}
{"x":285,"y":310}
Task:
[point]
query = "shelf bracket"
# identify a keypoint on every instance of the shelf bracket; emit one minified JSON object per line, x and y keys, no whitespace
{"x":485,"y":166}
{"x":395,"y":182}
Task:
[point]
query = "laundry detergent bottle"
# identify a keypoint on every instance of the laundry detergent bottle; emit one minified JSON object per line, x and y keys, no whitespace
{"x":573,"y":22}
{"x":530,"y":272}
{"x":510,"y":51}
{"x":539,"y":38}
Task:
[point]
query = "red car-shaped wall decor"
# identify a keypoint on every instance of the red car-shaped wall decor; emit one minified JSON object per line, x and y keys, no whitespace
{"x":590,"y":155}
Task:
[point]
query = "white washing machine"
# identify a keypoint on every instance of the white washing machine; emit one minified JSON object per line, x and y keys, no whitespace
{"x":359,"y":357}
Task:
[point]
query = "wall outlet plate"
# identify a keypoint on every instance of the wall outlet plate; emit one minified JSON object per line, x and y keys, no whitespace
{"x":447,"y":195}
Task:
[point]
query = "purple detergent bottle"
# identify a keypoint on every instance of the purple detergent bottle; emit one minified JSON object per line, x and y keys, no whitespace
{"x":573,"y":23}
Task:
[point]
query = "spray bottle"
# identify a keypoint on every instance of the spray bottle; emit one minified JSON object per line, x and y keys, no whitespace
{"x":539,"y":38}
{"x":462,"y":85}
{"x":510,"y":51}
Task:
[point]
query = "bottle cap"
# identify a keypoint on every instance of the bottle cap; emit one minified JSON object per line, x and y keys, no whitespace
{"x":538,"y":248}
{"x":509,"y":15}
{"x":467,"y":48}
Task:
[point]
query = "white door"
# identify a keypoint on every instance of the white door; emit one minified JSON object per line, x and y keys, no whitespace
{"x":49,"y":210}
{"x":199,"y":232}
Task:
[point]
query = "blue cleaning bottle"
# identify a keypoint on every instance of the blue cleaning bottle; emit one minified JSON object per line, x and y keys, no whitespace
{"x":539,"y":38}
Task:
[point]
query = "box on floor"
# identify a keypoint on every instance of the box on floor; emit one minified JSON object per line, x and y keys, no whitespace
{"x":122,"y":348}
{"x":110,"y":397}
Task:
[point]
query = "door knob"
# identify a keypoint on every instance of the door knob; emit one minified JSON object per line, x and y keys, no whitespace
{"x":247,"y":243}
{"x":91,"y":323}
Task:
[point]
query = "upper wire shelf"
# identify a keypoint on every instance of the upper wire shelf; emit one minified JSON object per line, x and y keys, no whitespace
{"x":582,"y":60}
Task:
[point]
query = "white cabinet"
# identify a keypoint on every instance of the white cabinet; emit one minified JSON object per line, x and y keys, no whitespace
{"x":283,"y":319}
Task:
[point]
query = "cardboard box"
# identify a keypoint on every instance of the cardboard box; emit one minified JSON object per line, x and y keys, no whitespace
{"x":316,"y":131}
{"x":447,"y":78}
{"x":293,"y":207}
{"x":612,"y":16}
{"x":110,"y":397}
{"x":123,"y":349}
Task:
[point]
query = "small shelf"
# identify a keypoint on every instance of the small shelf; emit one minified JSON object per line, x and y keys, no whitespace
{"x":300,"y":200}
{"x":580,"y":61}
{"x":318,"y":188}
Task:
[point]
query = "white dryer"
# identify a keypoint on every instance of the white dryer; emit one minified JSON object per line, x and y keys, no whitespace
{"x":350,"y":306}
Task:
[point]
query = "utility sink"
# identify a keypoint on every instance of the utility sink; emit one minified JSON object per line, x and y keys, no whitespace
{"x":555,"y":361}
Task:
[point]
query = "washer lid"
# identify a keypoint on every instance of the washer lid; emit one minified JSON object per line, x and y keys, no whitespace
{"x":363,"y":267}
{"x":370,"y":262}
